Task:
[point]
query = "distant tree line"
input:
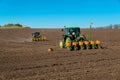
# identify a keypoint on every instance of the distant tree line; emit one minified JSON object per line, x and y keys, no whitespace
{"x":115,"y":26}
{"x":10,"y":25}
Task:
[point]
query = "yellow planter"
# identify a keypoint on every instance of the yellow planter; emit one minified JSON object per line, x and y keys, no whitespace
{"x":68,"y":44}
{"x":86,"y":42}
{"x":81,"y":43}
{"x":98,"y":42}
{"x":74,"y":43}
{"x":92,"y":42}
{"x":44,"y":38}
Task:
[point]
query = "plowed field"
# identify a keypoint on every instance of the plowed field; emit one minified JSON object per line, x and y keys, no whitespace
{"x":21,"y":59}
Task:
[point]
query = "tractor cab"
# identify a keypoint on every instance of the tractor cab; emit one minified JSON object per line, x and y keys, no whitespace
{"x":70,"y":30}
{"x":71,"y":33}
{"x":36,"y":34}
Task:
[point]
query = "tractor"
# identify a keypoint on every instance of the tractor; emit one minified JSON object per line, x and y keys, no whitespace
{"x":36,"y":36}
{"x":73,"y":39}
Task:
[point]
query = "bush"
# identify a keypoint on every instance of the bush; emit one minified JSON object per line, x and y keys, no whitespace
{"x":9,"y":25}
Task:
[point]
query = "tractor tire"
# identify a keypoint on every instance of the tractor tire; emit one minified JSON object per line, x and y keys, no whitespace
{"x":76,"y":48}
{"x":69,"y":48}
{"x":98,"y":46}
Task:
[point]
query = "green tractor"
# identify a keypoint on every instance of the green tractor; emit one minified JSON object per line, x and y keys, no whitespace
{"x":72,"y":39}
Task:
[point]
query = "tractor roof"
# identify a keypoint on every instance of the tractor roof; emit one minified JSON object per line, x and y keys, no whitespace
{"x":72,"y":27}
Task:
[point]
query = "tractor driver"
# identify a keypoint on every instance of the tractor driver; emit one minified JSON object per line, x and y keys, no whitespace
{"x":73,"y":35}
{"x":70,"y":35}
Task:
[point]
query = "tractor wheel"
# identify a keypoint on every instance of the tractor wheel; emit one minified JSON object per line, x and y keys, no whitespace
{"x":92,"y":46}
{"x":98,"y":46}
{"x":82,"y":47}
{"x":76,"y":48}
{"x":70,"y":48}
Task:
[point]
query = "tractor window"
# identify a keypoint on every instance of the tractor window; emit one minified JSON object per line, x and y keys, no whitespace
{"x":71,"y":30}
{"x":76,"y":30}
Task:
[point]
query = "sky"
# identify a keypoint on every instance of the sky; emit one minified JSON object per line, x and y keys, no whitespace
{"x":60,"y":13}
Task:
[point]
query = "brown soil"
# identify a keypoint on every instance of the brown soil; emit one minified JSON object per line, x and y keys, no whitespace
{"x":21,"y":59}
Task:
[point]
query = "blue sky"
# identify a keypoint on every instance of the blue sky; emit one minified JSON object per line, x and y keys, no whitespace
{"x":57,"y":13}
